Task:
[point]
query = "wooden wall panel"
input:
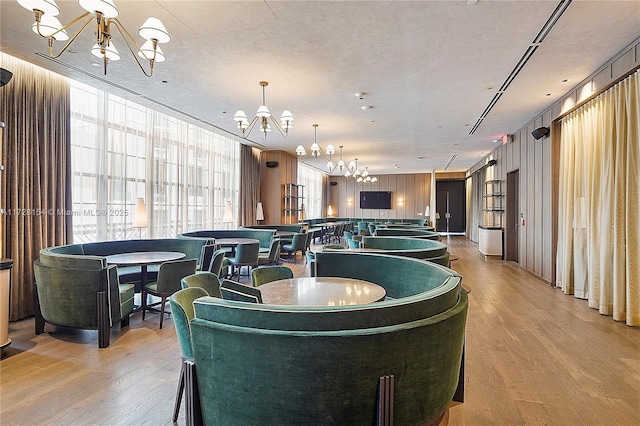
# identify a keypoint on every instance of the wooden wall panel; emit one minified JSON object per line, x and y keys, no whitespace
{"x":538,"y":163}
{"x":272,"y":183}
{"x":413,"y":189}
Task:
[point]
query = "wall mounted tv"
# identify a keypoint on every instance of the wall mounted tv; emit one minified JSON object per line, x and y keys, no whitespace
{"x":375,"y":199}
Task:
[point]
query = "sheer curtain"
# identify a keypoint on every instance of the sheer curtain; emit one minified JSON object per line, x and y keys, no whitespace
{"x":599,"y":202}
{"x":122,"y":151}
{"x":36,"y":190}
{"x":312,"y":180}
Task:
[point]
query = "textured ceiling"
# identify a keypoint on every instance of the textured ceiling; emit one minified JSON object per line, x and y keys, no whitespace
{"x":429,"y":68}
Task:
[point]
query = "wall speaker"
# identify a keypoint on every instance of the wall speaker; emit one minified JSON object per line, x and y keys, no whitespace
{"x":272,"y":164}
{"x":334,"y":183}
{"x":5,"y":76}
{"x":491,"y":162}
{"x":540,"y":132}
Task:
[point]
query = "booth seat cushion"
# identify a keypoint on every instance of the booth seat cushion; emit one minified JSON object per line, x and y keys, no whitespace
{"x":191,"y":248}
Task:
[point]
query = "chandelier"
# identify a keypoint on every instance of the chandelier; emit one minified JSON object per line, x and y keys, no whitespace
{"x":365,"y":178}
{"x":350,"y":170}
{"x":105,"y":13}
{"x":262,"y":116}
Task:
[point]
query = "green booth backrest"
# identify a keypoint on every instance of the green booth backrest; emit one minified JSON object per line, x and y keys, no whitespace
{"x":261,"y":376}
{"x":263,"y":235}
{"x":413,"y":247}
{"x":67,"y":296}
{"x":190,"y":247}
{"x":420,"y":289}
{"x":400,"y":276}
{"x":396,"y":232}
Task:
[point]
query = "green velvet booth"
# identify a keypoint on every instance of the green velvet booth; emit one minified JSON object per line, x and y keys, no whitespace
{"x":267,"y":364}
{"x":85,"y":295}
{"x":262,"y":235}
{"x":410,"y":232}
{"x":405,"y":246}
{"x":73,"y":255}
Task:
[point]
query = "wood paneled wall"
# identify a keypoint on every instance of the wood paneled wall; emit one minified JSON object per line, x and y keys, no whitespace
{"x":538,"y":164}
{"x":410,"y":196}
{"x":272,"y":180}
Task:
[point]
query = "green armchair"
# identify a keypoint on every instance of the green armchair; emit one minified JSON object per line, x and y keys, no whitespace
{"x":86,"y":296}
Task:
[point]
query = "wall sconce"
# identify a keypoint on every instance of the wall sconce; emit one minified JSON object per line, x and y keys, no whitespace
{"x":329,"y":211}
{"x":259,"y":212}
{"x":349,"y":201}
{"x":427,"y":215}
{"x":399,"y":201}
{"x":140,"y":219}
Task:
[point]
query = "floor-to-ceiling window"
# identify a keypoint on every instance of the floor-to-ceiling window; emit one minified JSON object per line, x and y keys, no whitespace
{"x":122,"y":151}
{"x":312,"y":181}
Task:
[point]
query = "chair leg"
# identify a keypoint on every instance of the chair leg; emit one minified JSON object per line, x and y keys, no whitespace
{"x":176,"y":406}
{"x":144,"y":305}
{"x":164,"y":300}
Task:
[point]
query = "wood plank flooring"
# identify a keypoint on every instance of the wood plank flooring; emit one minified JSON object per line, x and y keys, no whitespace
{"x":534,"y":357}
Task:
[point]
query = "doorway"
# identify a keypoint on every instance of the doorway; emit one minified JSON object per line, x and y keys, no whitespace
{"x":451,"y":205}
{"x":512,"y":222}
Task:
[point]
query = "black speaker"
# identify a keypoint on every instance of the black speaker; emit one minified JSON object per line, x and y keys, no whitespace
{"x":5,"y":76}
{"x":272,"y":164}
{"x":540,"y":132}
{"x":491,"y":163}
{"x":334,"y":183}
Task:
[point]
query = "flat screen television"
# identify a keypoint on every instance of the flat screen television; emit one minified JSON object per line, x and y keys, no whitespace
{"x":375,"y":199}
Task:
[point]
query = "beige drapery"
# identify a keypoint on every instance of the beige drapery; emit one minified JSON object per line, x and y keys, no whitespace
{"x":36,"y":186}
{"x":599,"y":202}
{"x":249,"y":184}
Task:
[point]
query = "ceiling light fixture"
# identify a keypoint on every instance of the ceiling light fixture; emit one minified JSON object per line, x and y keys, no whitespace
{"x":105,"y":13}
{"x":365,"y":178}
{"x":263,"y":115}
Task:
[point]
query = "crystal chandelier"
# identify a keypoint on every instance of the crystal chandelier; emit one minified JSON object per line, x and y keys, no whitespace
{"x":105,"y":14}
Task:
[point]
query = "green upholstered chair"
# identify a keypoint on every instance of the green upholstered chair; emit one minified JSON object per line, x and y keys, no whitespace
{"x":270,"y":258}
{"x":311,"y":260}
{"x":169,"y":280}
{"x":246,"y":255}
{"x":206,"y":280}
{"x":181,"y":303}
{"x":298,"y":244}
{"x":266,"y":274}
{"x":206,"y":257}
{"x":348,"y":235}
{"x":219,"y":263}
{"x":86,"y":296}
{"x":352,"y":243}
{"x":232,"y":290}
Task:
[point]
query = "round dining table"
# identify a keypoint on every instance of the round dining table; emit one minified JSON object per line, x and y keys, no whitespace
{"x":321,"y":291}
{"x":143,"y":259}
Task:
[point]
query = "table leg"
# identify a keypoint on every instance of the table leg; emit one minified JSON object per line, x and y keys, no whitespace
{"x":143,"y":285}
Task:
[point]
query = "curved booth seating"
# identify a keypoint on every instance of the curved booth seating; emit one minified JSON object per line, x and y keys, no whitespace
{"x":403,"y":246}
{"x":260,"y":372}
{"x":410,"y":232}
{"x":415,"y":226}
{"x":76,"y":255}
{"x":262,"y":235}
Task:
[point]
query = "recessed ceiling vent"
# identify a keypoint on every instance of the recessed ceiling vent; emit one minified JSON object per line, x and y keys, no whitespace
{"x":537,"y":41}
{"x":451,"y":160}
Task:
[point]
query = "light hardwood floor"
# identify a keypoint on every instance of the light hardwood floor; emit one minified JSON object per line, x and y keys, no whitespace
{"x":534,"y":357}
